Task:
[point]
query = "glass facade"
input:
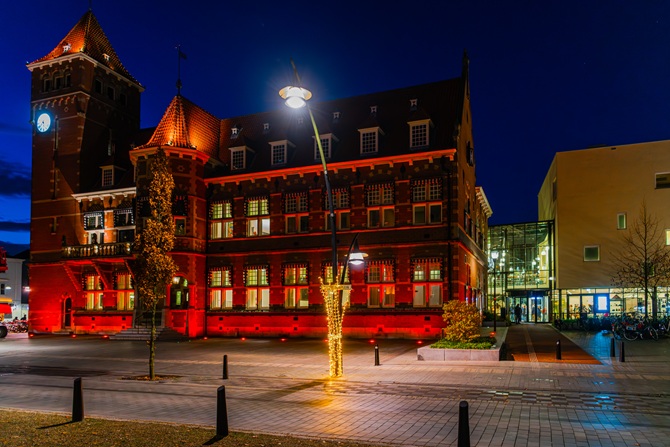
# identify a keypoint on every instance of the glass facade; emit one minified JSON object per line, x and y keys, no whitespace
{"x":521,"y":270}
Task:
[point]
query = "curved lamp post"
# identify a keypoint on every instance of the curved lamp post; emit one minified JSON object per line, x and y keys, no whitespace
{"x":297,"y":97}
{"x":494,"y":256}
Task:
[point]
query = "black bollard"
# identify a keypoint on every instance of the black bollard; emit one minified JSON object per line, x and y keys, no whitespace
{"x":622,"y":354}
{"x":221,"y":413}
{"x":463,"y":425}
{"x":612,"y":353}
{"x":376,"y":355}
{"x":225,"y":366}
{"x":558,"y":349}
{"x":77,"y":401}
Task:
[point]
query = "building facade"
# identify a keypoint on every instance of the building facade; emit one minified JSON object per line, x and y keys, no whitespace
{"x":252,"y":238}
{"x":595,"y":197}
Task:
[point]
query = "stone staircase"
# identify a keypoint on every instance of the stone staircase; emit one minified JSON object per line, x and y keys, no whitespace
{"x":142,"y":334}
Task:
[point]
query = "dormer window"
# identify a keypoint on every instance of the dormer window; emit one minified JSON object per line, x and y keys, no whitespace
{"x":327,"y":141}
{"x":419,"y":134}
{"x":266,"y":127}
{"x":107,"y":176}
{"x":369,"y":140}
{"x":336,"y":116}
{"x":413,"y":104}
{"x":237,"y":158}
{"x":278,"y":152}
{"x":105,"y":56}
{"x":67,"y":47}
{"x":235,"y":131}
{"x":300,"y":120}
{"x":373,"y":110}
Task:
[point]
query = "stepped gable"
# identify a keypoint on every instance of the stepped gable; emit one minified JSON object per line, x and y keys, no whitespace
{"x":87,"y":37}
{"x":185,"y":125}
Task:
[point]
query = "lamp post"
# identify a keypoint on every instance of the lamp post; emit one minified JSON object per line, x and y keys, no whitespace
{"x":494,"y":256}
{"x":297,"y":97}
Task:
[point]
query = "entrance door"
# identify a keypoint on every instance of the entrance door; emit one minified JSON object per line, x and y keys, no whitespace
{"x":67,"y":313}
{"x":539,"y":309}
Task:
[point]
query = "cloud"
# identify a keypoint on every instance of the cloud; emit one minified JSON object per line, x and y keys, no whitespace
{"x":14,"y":227}
{"x":17,"y":182}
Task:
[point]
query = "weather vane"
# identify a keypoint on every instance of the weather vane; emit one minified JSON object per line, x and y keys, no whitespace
{"x":180,"y":56}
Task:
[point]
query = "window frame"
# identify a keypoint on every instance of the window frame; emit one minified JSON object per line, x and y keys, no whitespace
{"x":414,"y":142}
{"x":279,"y":148}
{"x":621,"y":221}
{"x":590,"y":258}
{"x":220,"y":290}
{"x":369,"y":141}
{"x":237,"y":155}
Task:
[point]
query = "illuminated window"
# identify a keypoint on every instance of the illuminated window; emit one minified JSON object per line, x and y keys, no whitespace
{"x":592,"y":253}
{"x":257,"y":210}
{"x":667,"y":237}
{"x":258,"y":292}
{"x":295,"y":212}
{"x":221,"y":223}
{"x":125,"y":297}
{"x":328,"y":273}
{"x":295,"y":286}
{"x":380,"y":201}
{"x":621,"y":221}
{"x":94,"y":220}
{"x":341,"y":205}
{"x":378,"y":276}
{"x":418,"y":134}
{"x":180,"y":226}
{"x":426,"y":201}
{"x":94,"y":301}
{"x":220,"y":288}
{"x":426,"y":273}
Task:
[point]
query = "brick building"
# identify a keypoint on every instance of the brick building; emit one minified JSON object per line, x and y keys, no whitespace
{"x":249,"y":205}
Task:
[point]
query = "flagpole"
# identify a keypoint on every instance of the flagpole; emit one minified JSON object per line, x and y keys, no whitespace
{"x":180,"y":56}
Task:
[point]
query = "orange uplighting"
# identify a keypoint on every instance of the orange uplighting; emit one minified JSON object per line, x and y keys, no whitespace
{"x":282,"y":339}
{"x":31,"y":335}
{"x":492,"y":334}
{"x":372,"y":340}
{"x":420,"y":342}
{"x":73,"y":335}
{"x":204,"y":338}
{"x":105,"y":336}
{"x":243,"y":338}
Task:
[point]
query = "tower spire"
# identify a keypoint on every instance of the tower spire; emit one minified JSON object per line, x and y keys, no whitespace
{"x":180,"y":56}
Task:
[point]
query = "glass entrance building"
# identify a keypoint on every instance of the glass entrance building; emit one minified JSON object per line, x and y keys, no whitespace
{"x":521,"y":271}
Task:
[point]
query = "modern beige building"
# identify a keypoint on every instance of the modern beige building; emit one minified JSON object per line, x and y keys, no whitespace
{"x":595,"y":196}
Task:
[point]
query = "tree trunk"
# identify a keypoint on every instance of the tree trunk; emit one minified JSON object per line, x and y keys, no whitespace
{"x":152,"y":344}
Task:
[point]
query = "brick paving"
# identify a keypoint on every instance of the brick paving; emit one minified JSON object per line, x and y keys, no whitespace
{"x":281,"y":388}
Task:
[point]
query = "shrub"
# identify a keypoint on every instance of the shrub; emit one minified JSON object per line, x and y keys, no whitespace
{"x":463,"y":321}
{"x":477,"y":343}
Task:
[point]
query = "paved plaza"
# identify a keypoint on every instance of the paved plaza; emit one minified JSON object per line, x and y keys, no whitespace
{"x":281,"y":387}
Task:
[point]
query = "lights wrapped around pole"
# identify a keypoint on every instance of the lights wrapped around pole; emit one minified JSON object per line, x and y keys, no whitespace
{"x":332,"y":294}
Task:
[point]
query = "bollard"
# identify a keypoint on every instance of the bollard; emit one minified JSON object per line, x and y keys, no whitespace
{"x":558,"y":349}
{"x":376,"y":355}
{"x":221,"y":413}
{"x":463,"y":425}
{"x":622,"y":354}
{"x":612,"y":353}
{"x":77,"y":401}
{"x":225,"y":366}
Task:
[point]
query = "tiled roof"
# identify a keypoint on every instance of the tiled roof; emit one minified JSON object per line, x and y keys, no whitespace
{"x":441,"y":102}
{"x":87,"y":37}
{"x":186,"y":125}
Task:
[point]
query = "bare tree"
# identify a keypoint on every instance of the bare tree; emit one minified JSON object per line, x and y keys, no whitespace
{"x":643,"y":260}
{"x":154,"y":267}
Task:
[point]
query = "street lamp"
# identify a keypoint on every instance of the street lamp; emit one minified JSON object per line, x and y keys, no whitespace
{"x":297,"y":97}
{"x":494,"y":256}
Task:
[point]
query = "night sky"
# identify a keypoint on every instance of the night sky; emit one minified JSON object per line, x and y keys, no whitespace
{"x":546,"y":76}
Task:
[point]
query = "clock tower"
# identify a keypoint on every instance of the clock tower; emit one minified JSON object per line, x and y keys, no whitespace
{"x":85,"y":106}
{"x":85,"y":110}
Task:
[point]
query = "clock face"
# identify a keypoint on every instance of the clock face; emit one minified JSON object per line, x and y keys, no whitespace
{"x":43,"y":122}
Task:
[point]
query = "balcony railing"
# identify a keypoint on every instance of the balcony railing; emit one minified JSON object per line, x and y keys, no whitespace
{"x":98,"y":250}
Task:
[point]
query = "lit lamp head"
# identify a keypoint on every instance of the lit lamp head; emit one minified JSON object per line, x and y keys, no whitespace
{"x":295,"y":97}
{"x":357,"y":257}
{"x":494,"y":255}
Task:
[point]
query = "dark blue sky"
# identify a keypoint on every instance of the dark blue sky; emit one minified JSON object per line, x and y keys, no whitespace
{"x":546,"y":76}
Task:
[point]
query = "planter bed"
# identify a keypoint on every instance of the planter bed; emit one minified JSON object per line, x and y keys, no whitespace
{"x":478,"y":355}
